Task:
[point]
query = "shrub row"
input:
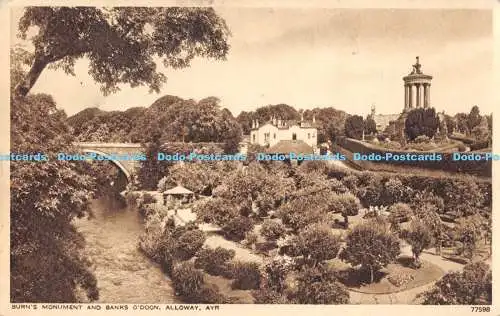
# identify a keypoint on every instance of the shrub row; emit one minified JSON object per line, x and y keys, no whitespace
{"x":481,"y":168}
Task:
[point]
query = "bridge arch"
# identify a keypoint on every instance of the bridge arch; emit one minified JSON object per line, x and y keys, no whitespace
{"x":116,"y":162}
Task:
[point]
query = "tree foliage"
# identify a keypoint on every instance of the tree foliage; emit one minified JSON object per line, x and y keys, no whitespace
{"x":372,"y":246}
{"x":354,"y":126}
{"x":319,"y":285}
{"x":419,"y":237}
{"x":474,"y":118}
{"x":421,"y":122}
{"x":46,"y":260}
{"x":121,"y":43}
{"x":370,"y":126}
{"x":472,"y":286}
{"x":316,"y":243}
{"x":152,"y":170}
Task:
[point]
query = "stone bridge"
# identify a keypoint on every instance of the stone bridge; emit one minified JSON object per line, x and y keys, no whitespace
{"x":128,"y":167}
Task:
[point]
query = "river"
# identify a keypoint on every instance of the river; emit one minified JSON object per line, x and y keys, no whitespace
{"x":124,"y":274}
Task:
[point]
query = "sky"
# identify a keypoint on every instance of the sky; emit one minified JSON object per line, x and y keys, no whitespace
{"x":350,"y":59}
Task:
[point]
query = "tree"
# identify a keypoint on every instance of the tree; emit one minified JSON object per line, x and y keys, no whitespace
{"x":316,"y":243}
{"x":350,"y":206}
{"x":370,"y":126}
{"x":329,"y":121}
{"x":468,"y":232}
{"x":399,"y":213}
{"x":421,"y":122}
{"x":461,"y":121}
{"x":354,"y":127}
{"x":450,"y":123}
{"x":372,"y":246}
{"x":419,"y":237}
{"x":47,"y":263}
{"x":462,"y":196}
{"x":472,"y":286}
{"x":474,"y":118}
{"x":395,"y":191}
{"x":122,"y":42}
{"x":245,"y":119}
{"x":482,"y":130}
{"x":319,"y":285}
{"x":152,"y":170}
{"x":427,"y":213}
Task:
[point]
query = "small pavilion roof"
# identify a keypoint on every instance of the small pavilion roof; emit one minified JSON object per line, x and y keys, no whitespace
{"x":178,"y":190}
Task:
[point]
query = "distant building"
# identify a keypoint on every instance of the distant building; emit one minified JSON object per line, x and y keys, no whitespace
{"x":285,"y":134}
{"x":383,"y":120}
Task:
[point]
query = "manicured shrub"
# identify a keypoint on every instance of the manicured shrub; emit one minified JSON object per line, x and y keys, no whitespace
{"x":217,"y":211}
{"x":215,"y":261}
{"x":188,"y":244}
{"x":247,"y":275}
{"x":272,"y":230}
{"x":187,"y":281}
{"x":316,"y":243}
{"x":237,"y":228}
{"x":251,"y":238}
{"x":268,"y":296}
{"x":319,"y":285}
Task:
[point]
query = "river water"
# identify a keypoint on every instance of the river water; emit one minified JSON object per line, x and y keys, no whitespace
{"x":124,"y":274}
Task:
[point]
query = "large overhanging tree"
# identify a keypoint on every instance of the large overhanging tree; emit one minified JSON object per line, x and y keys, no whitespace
{"x":121,"y":43}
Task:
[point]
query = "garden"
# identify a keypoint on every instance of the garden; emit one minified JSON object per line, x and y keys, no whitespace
{"x":317,"y":233}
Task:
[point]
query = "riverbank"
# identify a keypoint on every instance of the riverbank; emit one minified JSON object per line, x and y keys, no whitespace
{"x":124,"y":274}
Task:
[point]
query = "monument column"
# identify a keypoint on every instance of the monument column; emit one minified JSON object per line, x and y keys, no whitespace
{"x":411,"y":96}
{"x":406,"y":98}
{"x":427,"y":98}
{"x":419,"y":94}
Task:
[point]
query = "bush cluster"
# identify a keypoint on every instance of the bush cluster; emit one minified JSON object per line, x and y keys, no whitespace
{"x":247,"y":275}
{"x":215,"y":261}
{"x":189,"y":283}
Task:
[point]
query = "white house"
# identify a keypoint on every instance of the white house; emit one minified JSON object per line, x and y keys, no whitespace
{"x":276,"y":130}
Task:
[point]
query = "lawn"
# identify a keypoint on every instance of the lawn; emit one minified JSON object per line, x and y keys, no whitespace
{"x":396,"y":277}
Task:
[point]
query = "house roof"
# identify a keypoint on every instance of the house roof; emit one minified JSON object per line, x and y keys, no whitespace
{"x":291,"y":146}
{"x":178,"y":190}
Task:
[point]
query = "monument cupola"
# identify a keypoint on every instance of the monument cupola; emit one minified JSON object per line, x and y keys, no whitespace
{"x":417,"y":88}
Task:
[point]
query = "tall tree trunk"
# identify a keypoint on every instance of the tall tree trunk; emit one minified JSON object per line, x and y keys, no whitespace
{"x":31,"y":77}
{"x":371,"y":274}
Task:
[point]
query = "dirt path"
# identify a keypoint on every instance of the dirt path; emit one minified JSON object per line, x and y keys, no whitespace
{"x":408,"y":296}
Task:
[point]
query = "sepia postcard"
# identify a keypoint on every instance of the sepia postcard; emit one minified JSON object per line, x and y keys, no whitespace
{"x":271,"y":157}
